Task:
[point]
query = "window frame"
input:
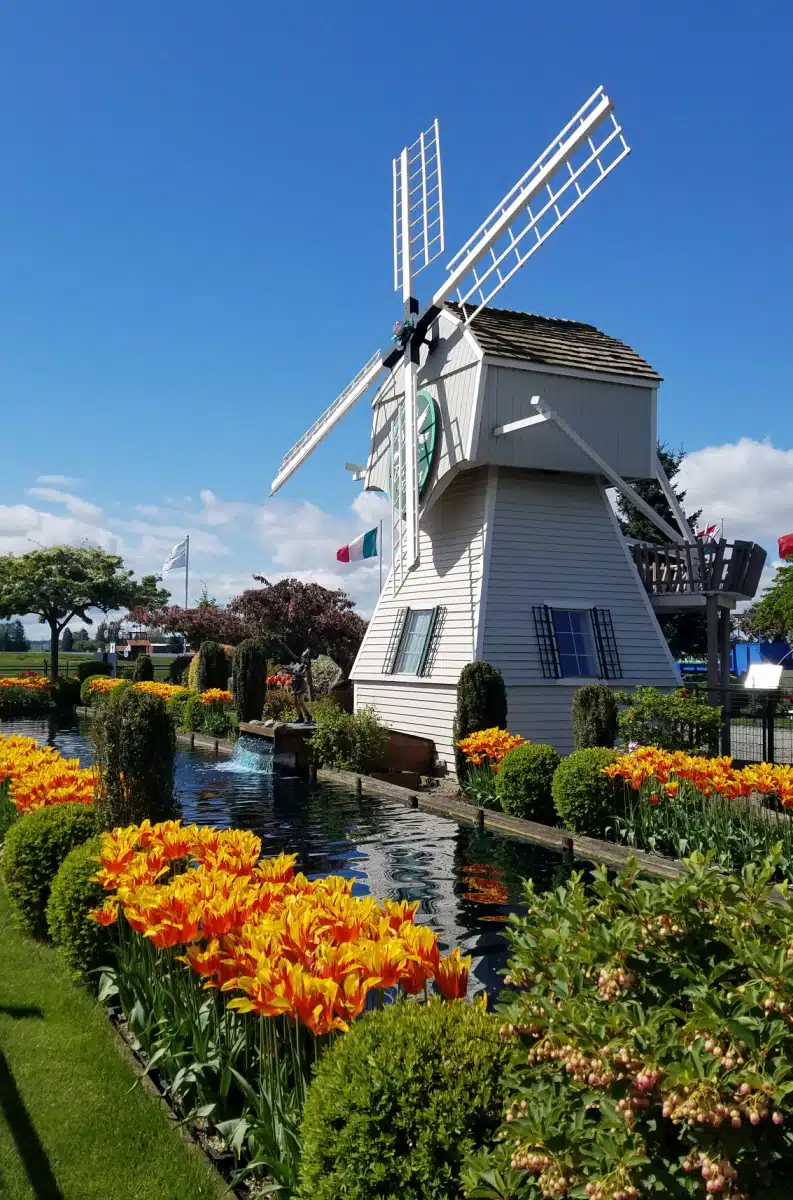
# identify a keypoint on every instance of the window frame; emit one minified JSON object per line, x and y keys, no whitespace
{"x":603,"y":651}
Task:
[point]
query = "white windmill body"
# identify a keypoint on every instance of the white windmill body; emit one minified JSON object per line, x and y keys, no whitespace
{"x":496,"y":434}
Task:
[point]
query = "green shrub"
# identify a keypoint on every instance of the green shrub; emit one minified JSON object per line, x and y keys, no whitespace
{"x":216,"y":719}
{"x":481,"y":704}
{"x":594,"y":716}
{"x":176,"y":706}
{"x":22,"y":701}
{"x":324,"y":673}
{"x":249,"y":680}
{"x":651,"y":1031}
{"x":670,"y":720}
{"x":399,"y":1101}
{"x":134,"y":747}
{"x":144,"y":669}
{"x":193,"y":714}
{"x":348,"y":741}
{"x":192,"y":671}
{"x":586,"y":799}
{"x":86,"y":669}
{"x":177,"y":668}
{"x":213,"y":667}
{"x":524,"y":781}
{"x":321,"y":706}
{"x":8,"y":812}
{"x":279,"y":705}
{"x":66,"y":691}
{"x":84,"y":944}
{"x":86,"y":697}
{"x":34,"y":848}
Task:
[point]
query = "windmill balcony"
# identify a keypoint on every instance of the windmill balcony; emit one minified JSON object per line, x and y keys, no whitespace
{"x":684,"y":576}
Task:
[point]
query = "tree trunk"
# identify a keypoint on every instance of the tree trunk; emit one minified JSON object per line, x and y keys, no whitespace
{"x":53,"y":650}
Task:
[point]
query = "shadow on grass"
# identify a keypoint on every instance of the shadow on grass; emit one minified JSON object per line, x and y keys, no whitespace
{"x":17,"y":1011}
{"x":29,"y":1147}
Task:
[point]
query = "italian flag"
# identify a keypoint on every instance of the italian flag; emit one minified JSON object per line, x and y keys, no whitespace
{"x":364,"y":546}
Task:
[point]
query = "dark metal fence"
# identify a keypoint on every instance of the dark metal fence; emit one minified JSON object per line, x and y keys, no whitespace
{"x":760,"y":726}
{"x":41,"y":666}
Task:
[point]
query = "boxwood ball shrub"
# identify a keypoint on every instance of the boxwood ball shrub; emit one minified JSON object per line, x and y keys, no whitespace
{"x":586,"y":800}
{"x":134,"y":748}
{"x":249,"y":680}
{"x":84,"y":944}
{"x":524,"y":781}
{"x":213,"y":667}
{"x":34,"y":848}
{"x":86,"y":669}
{"x":481,"y":704}
{"x":144,"y":669}
{"x":594,"y":716}
{"x":66,"y":691}
{"x":399,"y":1101}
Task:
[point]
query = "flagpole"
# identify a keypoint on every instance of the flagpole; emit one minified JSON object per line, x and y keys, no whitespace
{"x":186,"y":565}
{"x":380,"y":555}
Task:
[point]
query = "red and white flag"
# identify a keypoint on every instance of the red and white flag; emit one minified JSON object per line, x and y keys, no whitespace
{"x":785,"y":544}
{"x":707,"y":534}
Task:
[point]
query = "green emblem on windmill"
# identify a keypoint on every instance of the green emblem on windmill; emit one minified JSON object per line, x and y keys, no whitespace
{"x":426,"y":444}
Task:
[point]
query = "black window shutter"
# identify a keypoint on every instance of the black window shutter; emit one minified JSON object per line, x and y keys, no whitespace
{"x":433,"y":639}
{"x":389,"y":666}
{"x":608,"y":655}
{"x":546,"y":640}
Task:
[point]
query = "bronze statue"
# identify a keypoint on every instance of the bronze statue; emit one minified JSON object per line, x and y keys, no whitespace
{"x":301,"y":690}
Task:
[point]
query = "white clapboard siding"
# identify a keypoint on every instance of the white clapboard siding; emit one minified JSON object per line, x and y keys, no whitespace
{"x":616,"y":419}
{"x":423,"y":709}
{"x":449,"y":573}
{"x":555,"y":542}
{"x":450,"y":373}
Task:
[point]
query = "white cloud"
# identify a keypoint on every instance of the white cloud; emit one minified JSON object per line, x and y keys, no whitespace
{"x":75,"y":505}
{"x":59,"y":480}
{"x":22,"y":528}
{"x":746,"y":483}
{"x":148,"y":510}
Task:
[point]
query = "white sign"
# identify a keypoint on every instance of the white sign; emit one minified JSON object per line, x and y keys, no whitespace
{"x":763,"y":677}
{"x":112,"y":648}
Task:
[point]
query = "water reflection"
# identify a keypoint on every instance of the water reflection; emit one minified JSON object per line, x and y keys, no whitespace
{"x":467,"y":880}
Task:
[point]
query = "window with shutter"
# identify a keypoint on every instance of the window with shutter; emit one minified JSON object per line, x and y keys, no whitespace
{"x":433,"y":641}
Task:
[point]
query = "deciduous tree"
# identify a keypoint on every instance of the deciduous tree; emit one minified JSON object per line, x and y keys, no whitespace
{"x":772,"y":615}
{"x":62,"y":582}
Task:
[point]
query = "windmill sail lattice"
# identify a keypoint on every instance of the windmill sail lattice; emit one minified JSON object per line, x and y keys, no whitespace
{"x":587,"y":150}
{"x":325,"y":422}
{"x":418,"y":206}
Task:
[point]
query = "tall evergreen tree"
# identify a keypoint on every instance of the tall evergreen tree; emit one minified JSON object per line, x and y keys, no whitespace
{"x":685,"y":632}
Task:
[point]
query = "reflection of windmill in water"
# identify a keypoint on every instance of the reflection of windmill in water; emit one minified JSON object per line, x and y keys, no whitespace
{"x":494,"y":433}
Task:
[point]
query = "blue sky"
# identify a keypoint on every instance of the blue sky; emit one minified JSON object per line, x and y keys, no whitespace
{"x":195,"y":248}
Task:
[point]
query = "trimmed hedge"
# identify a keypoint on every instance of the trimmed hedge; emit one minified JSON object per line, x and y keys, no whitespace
{"x":524,"y":781}
{"x":84,"y":944}
{"x":144,"y":669}
{"x":134,"y":748}
{"x":66,"y":691}
{"x":176,"y":706}
{"x":594,"y":715}
{"x":585,"y":798}
{"x":86,"y":669}
{"x":249,"y":680}
{"x":399,"y":1102}
{"x":481,"y":704}
{"x":213,"y":667}
{"x":34,"y":848}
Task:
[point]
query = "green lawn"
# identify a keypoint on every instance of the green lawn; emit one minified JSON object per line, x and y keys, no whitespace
{"x":73,"y":1125}
{"x":33,"y":660}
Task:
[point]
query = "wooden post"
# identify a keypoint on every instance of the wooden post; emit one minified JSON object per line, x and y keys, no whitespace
{"x":712,"y":610}
{"x":480,"y":818}
{"x":724,"y":676}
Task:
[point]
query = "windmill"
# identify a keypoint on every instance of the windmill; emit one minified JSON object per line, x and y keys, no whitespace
{"x":578,"y":159}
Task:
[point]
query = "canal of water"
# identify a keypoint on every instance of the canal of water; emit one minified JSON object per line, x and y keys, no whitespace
{"x":467,"y":880}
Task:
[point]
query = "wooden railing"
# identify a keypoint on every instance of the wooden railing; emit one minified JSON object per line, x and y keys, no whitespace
{"x":732,"y":568}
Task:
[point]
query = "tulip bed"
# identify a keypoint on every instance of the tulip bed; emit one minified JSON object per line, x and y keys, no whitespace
{"x":33,"y":776}
{"x":235,"y":973}
{"x":23,"y":694}
{"x":676,"y":802}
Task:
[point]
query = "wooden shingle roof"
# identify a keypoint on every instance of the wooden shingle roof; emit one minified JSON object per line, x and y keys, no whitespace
{"x":553,"y":342}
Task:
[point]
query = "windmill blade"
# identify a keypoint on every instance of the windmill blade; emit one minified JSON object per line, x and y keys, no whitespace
{"x":418,"y":208}
{"x":587,"y":150}
{"x":325,"y":422}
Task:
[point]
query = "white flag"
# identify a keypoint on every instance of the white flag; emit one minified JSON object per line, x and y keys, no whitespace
{"x":177,"y":557}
